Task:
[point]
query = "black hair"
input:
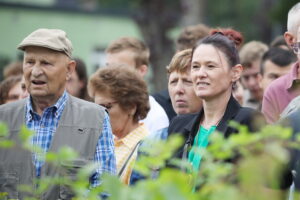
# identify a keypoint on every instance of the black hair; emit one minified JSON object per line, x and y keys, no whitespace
{"x":224,"y":44}
{"x":278,"y":56}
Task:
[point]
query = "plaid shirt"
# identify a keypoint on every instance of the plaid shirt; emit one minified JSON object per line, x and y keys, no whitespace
{"x":45,"y":126}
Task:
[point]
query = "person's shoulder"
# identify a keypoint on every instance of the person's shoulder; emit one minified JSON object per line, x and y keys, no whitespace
{"x":154,"y":104}
{"x":157,"y":110}
{"x":247,"y":112}
{"x":251,"y":117}
{"x":295,"y":115}
{"x":85,"y":106}
{"x":162,"y":95}
{"x":292,"y":120}
{"x":81,"y":102}
{"x":12,"y":105}
{"x":179,"y":122}
{"x":184,"y":117}
{"x":278,"y":84}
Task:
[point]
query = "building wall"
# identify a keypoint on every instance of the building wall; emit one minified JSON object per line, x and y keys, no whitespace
{"x":86,"y":31}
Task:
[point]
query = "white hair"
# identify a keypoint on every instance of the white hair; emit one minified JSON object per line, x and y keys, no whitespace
{"x":293,"y":21}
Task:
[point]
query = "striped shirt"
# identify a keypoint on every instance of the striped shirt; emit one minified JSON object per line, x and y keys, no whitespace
{"x":45,"y":126}
{"x":124,"y":147}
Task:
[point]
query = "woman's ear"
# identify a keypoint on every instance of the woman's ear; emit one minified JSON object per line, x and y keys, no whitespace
{"x":236,"y":72}
{"x":143,"y":69}
{"x":132,"y":111}
{"x":70,"y":68}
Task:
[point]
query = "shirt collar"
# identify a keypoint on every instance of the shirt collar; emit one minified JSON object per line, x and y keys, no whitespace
{"x":293,"y":75}
{"x":134,"y":136}
{"x":57,"y":107}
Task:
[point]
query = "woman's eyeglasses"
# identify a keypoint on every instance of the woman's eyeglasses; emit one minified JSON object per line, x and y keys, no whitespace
{"x":109,"y":105}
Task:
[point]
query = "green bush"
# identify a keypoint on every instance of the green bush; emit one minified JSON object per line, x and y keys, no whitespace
{"x":244,"y":166}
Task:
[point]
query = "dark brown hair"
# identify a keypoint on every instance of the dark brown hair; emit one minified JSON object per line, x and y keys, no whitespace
{"x":6,"y":86}
{"x":82,"y":76}
{"x":225,"y":44}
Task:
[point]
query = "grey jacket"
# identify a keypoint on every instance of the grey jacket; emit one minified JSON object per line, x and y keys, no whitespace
{"x":80,"y":127}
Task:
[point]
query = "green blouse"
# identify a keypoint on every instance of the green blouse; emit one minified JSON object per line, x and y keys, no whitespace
{"x":200,"y":142}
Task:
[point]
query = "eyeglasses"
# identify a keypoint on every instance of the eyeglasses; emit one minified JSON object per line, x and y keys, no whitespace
{"x":296,"y":47}
{"x":109,"y":105}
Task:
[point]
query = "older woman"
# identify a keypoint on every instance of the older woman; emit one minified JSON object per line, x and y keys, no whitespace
{"x":12,"y":89}
{"x":180,"y":86}
{"x":124,"y":94}
{"x":214,"y":69}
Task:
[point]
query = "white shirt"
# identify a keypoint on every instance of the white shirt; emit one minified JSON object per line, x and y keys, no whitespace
{"x":157,"y":118}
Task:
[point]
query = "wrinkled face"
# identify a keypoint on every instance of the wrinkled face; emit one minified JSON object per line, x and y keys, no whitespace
{"x":74,"y":85}
{"x":210,"y":72}
{"x":251,"y":78}
{"x":123,"y":58}
{"x":15,"y":93}
{"x":182,"y":94}
{"x":119,"y":118}
{"x":272,"y":72}
{"x":45,"y":72}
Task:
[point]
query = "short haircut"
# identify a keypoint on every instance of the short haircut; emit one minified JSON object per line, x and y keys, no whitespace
{"x":138,"y":47}
{"x":180,"y":62}
{"x":278,"y":41}
{"x":190,"y":35}
{"x":6,"y":85}
{"x":251,"y":52}
{"x":293,"y":19}
{"x":13,"y":69}
{"x":279,"y":57}
{"x":125,"y":86}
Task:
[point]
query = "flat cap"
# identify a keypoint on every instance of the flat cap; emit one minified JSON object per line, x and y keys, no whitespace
{"x":54,"y":39}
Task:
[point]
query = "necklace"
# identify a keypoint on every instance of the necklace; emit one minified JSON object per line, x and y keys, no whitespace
{"x":208,"y":125}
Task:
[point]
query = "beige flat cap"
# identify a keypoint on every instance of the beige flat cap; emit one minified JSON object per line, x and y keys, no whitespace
{"x":54,"y":39}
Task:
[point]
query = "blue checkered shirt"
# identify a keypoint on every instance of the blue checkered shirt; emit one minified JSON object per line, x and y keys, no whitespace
{"x":44,"y":127}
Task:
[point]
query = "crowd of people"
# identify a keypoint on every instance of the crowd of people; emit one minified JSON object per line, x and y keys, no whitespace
{"x":213,"y":78}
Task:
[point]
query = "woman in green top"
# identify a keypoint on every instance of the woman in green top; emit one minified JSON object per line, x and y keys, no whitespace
{"x":214,"y":70}
{"x":215,"y":67}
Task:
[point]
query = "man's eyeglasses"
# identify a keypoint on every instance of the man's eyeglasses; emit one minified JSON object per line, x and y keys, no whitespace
{"x":296,"y":47}
{"x":109,"y":105}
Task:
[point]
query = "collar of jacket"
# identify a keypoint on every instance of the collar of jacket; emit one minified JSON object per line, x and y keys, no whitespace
{"x":231,"y":111}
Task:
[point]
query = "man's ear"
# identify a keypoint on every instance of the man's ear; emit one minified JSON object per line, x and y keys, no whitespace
{"x":289,"y":38}
{"x":143,"y":69}
{"x":70,"y":68}
{"x":236,"y":72}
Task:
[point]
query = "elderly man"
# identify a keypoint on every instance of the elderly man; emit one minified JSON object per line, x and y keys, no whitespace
{"x":56,"y":118}
{"x":284,"y":89}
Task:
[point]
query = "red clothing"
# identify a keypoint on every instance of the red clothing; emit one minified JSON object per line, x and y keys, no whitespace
{"x":279,"y":94}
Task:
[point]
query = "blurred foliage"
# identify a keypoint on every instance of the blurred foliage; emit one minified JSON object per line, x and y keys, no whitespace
{"x":243,"y":166}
